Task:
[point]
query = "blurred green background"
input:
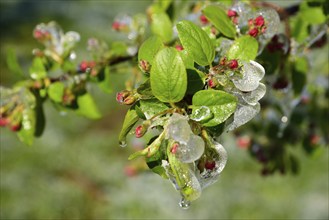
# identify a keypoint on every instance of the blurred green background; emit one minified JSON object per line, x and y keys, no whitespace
{"x":76,"y":169}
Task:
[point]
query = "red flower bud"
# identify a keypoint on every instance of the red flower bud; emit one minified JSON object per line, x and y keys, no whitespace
{"x":4,"y":121}
{"x":259,"y":21}
{"x":83,"y":66}
{"x":179,"y":47}
{"x":174,"y":148}
{"x":210,"y":165}
{"x":231,"y":13}
{"x":140,"y":131}
{"x":212,"y":83}
{"x":116,"y":26}
{"x":203,"y":19}
{"x":233,"y":64}
{"x":129,"y":100}
{"x":16,"y":127}
{"x":243,"y":142}
{"x":253,"y":32}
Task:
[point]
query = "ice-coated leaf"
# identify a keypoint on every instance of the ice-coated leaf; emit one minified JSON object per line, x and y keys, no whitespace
{"x":168,"y":76}
{"x":182,"y":177}
{"x":221,"y":104}
{"x":161,"y":25}
{"x":254,"y":96}
{"x":38,"y":70}
{"x":87,"y":107}
{"x":191,"y":151}
{"x":243,"y":114}
{"x":130,"y":120}
{"x":149,"y":49}
{"x":252,"y":72}
{"x":218,"y":17}
{"x":178,"y":129}
{"x":196,"y":42}
{"x":56,"y":91}
{"x":150,"y":107}
{"x":244,"y":48}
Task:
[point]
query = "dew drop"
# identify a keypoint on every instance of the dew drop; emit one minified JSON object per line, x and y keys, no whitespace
{"x":184,"y":204}
{"x":123,"y":144}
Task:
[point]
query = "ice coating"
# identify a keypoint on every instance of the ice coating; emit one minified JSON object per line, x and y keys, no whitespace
{"x":244,"y":11}
{"x":254,"y":96}
{"x":202,"y":114}
{"x":209,"y":177}
{"x":272,"y":21}
{"x":243,"y":114}
{"x":178,"y":128}
{"x":225,"y":45}
{"x":252,"y":72}
{"x":190,"y":152}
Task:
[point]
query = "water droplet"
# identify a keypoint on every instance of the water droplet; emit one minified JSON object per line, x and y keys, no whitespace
{"x":184,"y":204}
{"x":123,"y":143}
{"x":284,"y":119}
{"x":202,"y":114}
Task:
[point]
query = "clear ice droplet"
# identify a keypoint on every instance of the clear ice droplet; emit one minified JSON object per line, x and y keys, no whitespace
{"x":184,"y":204}
{"x":254,"y":96}
{"x":252,"y":72}
{"x":243,"y":114}
{"x":202,"y":114}
{"x":123,"y":143}
{"x":192,"y":150}
{"x":178,"y":128}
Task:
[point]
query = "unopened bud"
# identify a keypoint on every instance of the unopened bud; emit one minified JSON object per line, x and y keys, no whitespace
{"x":253,"y":32}
{"x":129,"y":100}
{"x":233,"y":64}
{"x":203,"y":19}
{"x":179,"y":47}
{"x":259,"y":21}
{"x":140,"y":131}
{"x":231,"y":13}
{"x":174,"y":148}
{"x":145,"y":65}
{"x":210,"y":165}
{"x":212,"y":83}
{"x":16,"y":127}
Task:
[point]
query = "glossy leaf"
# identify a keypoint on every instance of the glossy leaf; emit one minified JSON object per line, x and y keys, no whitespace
{"x":218,"y":17}
{"x":244,"y":48}
{"x":130,"y":120}
{"x":195,"y":81}
{"x":87,"y":107}
{"x":161,"y":25}
{"x":221,"y":104}
{"x":151,"y":107}
{"x":145,"y":90}
{"x":26,"y":133}
{"x":168,"y":76}
{"x":56,"y":91}
{"x":38,"y":70}
{"x":150,"y":48}
{"x":196,"y":42}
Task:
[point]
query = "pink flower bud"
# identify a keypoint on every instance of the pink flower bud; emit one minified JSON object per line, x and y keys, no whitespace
{"x":244,"y":142}
{"x":83,"y":66}
{"x":4,"y":121}
{"x":203,"y":19}
{"x":212,"y":83}
{"x":174,"y":148}
{"x":253,"y":32}
{"x":140,"y":131}
{"x":179,"y":47}
{"x":231,"y":13}
{"x":145,"y":65}
{"x":129,"y":100}
{"x":116,"y":26}
{"x":259,"y":21}
{"x":233,"y":64}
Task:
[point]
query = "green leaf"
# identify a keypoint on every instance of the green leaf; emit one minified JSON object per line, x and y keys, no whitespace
{"x":151,"y":107}
{"x":40,"y":115}
{"x":221,"y":104}
{"x":56,"y":91}
{"x":299,"y":28}
{"x":149,"y":49}
{"x":12,"y":63}
{"x":105,"y":84}
{"x":196,"y":42}
{"x":312,"y":15}
{"x":130,"y":120}
{"x":187,"y":59}
{"x":168,"y":76}
{"x":221,"y":21}
{"x":244,"y":48}
{"x":299,"y":71}
{"x":87,"y":107}
{"x":161,"y":25}
{"x":26,"y":133}
{"x":145,"y":90}
{"x":195,"y":81}
{"x":38,"y":70}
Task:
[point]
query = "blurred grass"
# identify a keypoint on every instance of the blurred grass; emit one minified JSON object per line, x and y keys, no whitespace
{"x":76,"y":169}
